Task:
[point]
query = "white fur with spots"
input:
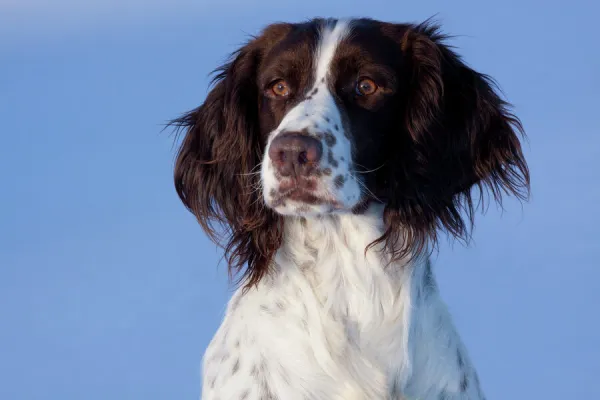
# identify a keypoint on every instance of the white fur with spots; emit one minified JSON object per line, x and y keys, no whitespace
{"x":333,"y":324}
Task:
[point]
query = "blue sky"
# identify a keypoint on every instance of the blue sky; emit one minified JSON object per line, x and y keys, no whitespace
{"x":109,"y":289}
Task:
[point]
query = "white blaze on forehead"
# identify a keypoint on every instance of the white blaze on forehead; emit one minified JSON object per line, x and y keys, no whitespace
{"x":318,"y":114}
{"x":320,"y":105}
{"x":331,"y":36}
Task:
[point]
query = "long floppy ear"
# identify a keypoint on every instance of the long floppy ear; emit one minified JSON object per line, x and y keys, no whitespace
{"x":215,"y":169}
{"x":461,"y":136}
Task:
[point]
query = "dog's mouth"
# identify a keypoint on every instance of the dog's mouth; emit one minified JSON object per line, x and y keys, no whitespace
{"x":304,"y":196}
{"x":308,"y":202}
{"x":311,"y":195}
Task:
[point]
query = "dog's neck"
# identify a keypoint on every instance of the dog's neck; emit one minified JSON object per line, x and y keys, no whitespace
{"x":350,"y":278}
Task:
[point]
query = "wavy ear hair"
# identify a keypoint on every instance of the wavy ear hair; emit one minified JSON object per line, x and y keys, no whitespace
{"x":215,"y":169}
{"x":461,"y":136}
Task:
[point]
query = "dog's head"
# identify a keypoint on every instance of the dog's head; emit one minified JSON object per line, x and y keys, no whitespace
{"x":326,"y":116}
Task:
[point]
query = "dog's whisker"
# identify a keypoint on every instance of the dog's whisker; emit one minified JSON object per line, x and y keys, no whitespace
{"x":368,"y":171}
{"x":365,"y":188}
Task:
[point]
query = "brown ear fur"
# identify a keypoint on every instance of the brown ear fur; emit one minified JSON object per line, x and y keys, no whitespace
{"x":216,"y":164}
{"x":462,"y":135}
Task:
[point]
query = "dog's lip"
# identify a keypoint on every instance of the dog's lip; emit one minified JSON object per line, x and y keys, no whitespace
{"x":304,"y":196}
{"x":302,"y":183}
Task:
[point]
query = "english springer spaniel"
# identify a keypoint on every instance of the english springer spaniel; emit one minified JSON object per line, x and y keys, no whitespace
{"x":326,"y":160}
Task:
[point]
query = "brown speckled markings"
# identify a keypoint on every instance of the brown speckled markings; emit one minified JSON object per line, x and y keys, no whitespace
{"x":464,"y":383}
{"x":478,"y":385}
{"x":329,"y":139}
{"x":266,"y":393}
{"x":331,"y":159}
{"x":212,"y":381}
{"x":302,"y":209}
{"x":265,"y":308}
{"x":259,"y":373}
{"x":427,"y":288}
{"x":459,"y":357}
{"x":236,"y":367}
{"x":339,"y":181}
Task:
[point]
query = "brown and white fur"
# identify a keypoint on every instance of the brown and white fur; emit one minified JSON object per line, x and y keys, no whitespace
{"x":325,"y":160}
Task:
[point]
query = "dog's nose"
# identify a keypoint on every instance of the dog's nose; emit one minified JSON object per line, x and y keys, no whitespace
{"x":295,"y":154}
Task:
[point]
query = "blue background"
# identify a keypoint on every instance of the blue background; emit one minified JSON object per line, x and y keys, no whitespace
{"x":109,"y":289}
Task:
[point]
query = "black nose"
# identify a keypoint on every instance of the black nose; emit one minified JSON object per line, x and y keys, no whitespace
{"x":295,"y":154}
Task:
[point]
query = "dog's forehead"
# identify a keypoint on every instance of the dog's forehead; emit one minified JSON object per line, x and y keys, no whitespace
{"x":370,"y":44}
{"x":345,"y":41}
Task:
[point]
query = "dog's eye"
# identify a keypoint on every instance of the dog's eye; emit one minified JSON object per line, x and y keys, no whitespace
{"x":365,"y":87}
{"x":280,"y":88}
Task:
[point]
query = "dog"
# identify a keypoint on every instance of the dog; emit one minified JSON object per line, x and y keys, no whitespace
{"x":326,"y":160}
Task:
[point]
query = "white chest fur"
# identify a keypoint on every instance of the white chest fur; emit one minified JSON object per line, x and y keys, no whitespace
{"x":335,"y":322}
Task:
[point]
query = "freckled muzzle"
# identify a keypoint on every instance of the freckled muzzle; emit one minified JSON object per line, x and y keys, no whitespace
{"x":308,"y":165}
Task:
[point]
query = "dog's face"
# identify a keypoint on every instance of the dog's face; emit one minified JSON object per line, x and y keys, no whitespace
{"x":326,"y":116}
{"x":329,"y":96}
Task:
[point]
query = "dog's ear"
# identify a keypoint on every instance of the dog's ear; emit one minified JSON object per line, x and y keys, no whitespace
{"x":214,"y":171}
{"x":461,"y":135}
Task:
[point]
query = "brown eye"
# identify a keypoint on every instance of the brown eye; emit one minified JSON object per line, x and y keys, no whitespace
{"x":365,"y":87}
{"x":280,"y":88}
